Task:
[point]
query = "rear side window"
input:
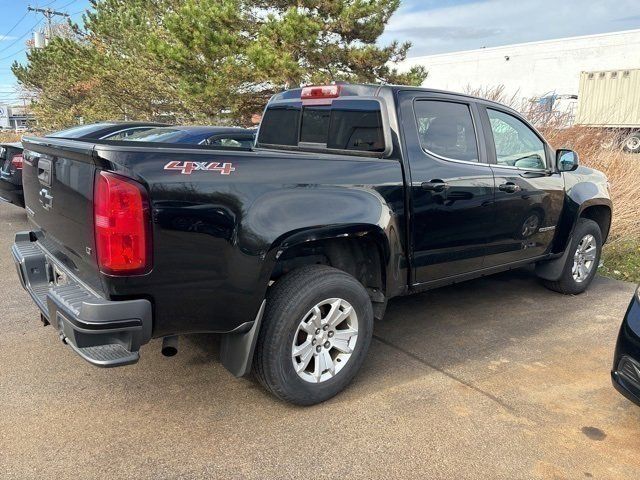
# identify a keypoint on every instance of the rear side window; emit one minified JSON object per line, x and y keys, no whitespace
{"x":446,"y":129}
{"x":352,"y":125}
{"x":279,"y":125}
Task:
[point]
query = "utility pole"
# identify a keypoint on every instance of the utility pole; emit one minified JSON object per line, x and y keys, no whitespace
{"x":49,"y":14}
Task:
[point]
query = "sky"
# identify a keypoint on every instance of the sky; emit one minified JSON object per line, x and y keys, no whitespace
{"x":440,"y":26}
{"x":433,"y":26}
{"x":16,"y":25}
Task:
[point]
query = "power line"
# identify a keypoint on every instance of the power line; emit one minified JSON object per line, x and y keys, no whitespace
{"x":12,"y":55}
{"x":20,"y":38}
{"x":49,"y":14}
{"x":67,"y":4}
{"x":16,"y":24}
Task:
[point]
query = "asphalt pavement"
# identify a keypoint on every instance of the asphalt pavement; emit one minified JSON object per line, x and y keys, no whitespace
{"x":494,"y":378}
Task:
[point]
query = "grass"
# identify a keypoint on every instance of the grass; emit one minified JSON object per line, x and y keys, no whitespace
{"x":9,"y":137}
{"x":621,"y":260}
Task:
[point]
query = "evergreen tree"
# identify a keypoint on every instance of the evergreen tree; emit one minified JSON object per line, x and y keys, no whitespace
{"x":214,"y":61}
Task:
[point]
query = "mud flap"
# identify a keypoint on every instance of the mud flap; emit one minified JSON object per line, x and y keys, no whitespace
{"x":552,"y":269}
{"x":236,"y":352}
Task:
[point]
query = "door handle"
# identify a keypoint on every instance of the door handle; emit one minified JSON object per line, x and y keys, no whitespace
{"x":437,"y":186}
{"x":509,"y":187}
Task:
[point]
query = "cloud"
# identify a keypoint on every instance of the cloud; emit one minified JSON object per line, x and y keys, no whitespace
{"x":448,"y":33}
{"x":486,"y":23}
{"x":7,"y":37}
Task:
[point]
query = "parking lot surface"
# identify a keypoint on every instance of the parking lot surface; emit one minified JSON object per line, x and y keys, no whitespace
{"x":493,"y":378}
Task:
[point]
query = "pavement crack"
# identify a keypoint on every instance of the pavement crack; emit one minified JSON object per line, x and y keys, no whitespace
{"x":453,"y":377}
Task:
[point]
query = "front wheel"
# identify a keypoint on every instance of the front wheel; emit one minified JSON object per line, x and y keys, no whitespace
{"x":315,"y":334}
{"x":583,"y":259}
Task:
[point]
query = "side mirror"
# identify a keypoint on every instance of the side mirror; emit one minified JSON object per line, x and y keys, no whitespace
{"x":566,"y":160}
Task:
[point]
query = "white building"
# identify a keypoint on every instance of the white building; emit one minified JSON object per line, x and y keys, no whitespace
{"x":12,"y":117}
{"x":531,"y":70}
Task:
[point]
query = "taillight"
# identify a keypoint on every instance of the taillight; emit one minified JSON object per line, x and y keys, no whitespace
{"x":325,"y":91}
{"x":16,"y":161}
{"x":122,"y":225}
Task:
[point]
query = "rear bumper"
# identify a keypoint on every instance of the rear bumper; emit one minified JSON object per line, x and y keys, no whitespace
{"x":11,"y":192}
{"x":625,"y":374}
{"x":103,"y":332}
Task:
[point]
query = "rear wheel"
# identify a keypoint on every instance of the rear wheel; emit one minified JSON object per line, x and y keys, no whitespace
{"x":315,"y":334}
{"x":583,"y":259}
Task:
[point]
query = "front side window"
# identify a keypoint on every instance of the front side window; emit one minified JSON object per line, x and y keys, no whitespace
{"x":446,"y":129}
{"x":516,"y":143}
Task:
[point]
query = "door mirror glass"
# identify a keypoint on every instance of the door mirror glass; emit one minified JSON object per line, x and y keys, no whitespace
{"x":566,"y":160}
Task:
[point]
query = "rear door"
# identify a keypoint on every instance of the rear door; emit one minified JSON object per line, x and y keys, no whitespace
{"x":529,"y":192}
{"x":451,"y":184}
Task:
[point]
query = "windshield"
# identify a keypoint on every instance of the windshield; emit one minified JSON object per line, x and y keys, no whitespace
{"x":80,"y":130}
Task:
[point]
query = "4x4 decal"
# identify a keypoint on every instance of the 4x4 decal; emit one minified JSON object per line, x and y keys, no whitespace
{"x":187,"y":167}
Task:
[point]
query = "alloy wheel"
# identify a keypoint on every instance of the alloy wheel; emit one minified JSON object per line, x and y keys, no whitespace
{"x":325,"y":340}
{"x":584,"y":258}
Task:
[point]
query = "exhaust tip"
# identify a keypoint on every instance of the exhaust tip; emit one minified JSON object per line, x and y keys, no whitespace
{"x":170,"y":346}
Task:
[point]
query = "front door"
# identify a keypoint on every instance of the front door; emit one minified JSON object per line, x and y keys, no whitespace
{"x":529,"y":193}
{"x":451,"y":185}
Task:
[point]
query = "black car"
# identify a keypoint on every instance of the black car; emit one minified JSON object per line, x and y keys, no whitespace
{"x":11,"y":173}
{"x":626,"y":363}
{"x":199,"y":135}
{"x":11,"y":153}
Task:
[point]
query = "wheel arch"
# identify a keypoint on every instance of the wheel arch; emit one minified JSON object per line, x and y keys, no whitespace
{"x":361,"y":250}
{"x":598,"y":209}
{"x":601,"y":213}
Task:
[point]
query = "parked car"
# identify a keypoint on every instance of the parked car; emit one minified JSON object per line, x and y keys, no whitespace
{"x":11,"y":153}
{"x":353,"y":194}
{"x":625,"y":373}
{"x":199,"y":135}
{"x":11,"y":173}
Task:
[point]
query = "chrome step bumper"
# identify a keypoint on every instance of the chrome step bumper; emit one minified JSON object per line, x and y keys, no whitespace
{"x":105,"y":333}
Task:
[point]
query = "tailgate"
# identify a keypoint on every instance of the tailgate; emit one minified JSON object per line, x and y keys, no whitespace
{"x":58,"y":179}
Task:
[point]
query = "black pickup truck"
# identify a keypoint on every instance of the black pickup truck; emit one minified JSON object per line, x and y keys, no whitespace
{"x":352,"y":195}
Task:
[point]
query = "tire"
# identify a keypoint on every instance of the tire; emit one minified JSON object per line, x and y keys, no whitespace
{"x":567,"y":283}
{"x":631,"y":144}
{"x":289,"y":306}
